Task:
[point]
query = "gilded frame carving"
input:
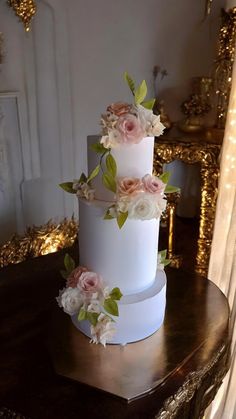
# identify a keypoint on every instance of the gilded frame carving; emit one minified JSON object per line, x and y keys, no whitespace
{"x":206,"y":155}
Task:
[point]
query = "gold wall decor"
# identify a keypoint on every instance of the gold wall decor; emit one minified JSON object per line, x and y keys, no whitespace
{"x":197,"y":106}
{"x":25,"y":10}
{"x":207,"y":155}
{"x":224,"y":64}
{"x":39,"y":241}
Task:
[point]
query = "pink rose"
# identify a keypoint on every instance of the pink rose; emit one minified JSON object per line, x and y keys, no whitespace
{"x":119,"y":108}
{"x":90,"y":282}
{"x":73,"y":278}
{"x":129,"y":185}
{"x":130,"y":129}
{"x":152,"y":184}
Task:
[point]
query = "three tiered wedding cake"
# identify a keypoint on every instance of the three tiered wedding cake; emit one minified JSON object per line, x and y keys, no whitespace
{"x":118,"y":293}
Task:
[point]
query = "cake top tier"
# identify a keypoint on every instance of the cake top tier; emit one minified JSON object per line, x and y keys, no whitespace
{"x":120,"y":162}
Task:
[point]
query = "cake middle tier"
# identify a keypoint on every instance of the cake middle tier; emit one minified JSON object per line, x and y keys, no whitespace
{"x":135,"y":160}
{"x":125,"y":258}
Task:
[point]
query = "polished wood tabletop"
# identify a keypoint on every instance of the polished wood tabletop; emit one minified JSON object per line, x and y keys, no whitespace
{"x":42,"y":354}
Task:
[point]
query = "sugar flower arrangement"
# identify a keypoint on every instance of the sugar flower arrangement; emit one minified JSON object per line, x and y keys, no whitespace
{"x":87,"y":297}
{"x":126,"y":124}
{"x":129,"y":124}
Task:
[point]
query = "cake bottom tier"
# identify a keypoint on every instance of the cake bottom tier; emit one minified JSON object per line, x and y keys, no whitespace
{"x":140,"y":315}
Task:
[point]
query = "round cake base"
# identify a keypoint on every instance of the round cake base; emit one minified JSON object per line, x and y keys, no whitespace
{"x":140,"y":315}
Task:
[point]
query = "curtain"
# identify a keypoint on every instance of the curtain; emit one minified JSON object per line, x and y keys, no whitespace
{"x":222,"y":267}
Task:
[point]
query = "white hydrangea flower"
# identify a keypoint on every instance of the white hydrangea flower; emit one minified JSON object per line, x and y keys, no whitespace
{"x":113,"y":211}
{"x":123,"y":204}
{"x":88,"y":192}
{"x":106,"y":292}
{"x":112,"y":139}
{"x":94,"y":306}
{"x":103,"y":331}
{"x":151,"y":122}
{"x":157,"y":126}
{"x":85,"y":191}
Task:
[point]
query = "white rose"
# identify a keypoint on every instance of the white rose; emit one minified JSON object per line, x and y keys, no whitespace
{"x":143,"y":207}
{"x":71,"y":300}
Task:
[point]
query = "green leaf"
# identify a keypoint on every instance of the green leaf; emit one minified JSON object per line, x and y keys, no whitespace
{"x":69,"y":263}
{"x":98,"y":148}
{"x":107,"y":215}
{"x":64,"y":274}
{"x":116,"y":294}
{"x":140,"y":93}
{"x":68,"y":187}
{"x":111,"y":307}
{"x":130,"y":82}
{"x":109,"y":182}
{"x":171,"y":189}
{"x":94,"y":173}
{"x":121,"y":218}
{"x":166,"y":262}
{"x":111,"y":165}
{"x":149,"y":104}
{"x":163,"y":254}
{"x":165,"y":177}
{"x":92,"y":317}
{"x":82,"y":314}
{"x":83,"y":178}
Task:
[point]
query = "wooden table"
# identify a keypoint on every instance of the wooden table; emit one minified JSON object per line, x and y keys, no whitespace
{"x":193,"y":362}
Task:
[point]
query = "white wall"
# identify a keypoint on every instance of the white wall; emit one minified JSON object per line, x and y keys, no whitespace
{"x":69,"y":68}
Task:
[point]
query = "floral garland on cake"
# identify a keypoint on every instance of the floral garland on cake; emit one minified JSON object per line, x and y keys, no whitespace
{"x":123,"y":123}
{"x":87,"y":296}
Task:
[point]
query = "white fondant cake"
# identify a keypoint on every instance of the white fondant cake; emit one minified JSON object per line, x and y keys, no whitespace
{"x":118,"y":292}
{"x":125,"y":257}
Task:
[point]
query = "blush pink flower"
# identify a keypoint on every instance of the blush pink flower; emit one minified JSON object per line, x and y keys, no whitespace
{"x":119,"y":108}
{"x":89,"y":282}
{"x":153,"y":184}
{"x":129,"y":186}
{"x":73,"y":278}
{"x":130,"y":129}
